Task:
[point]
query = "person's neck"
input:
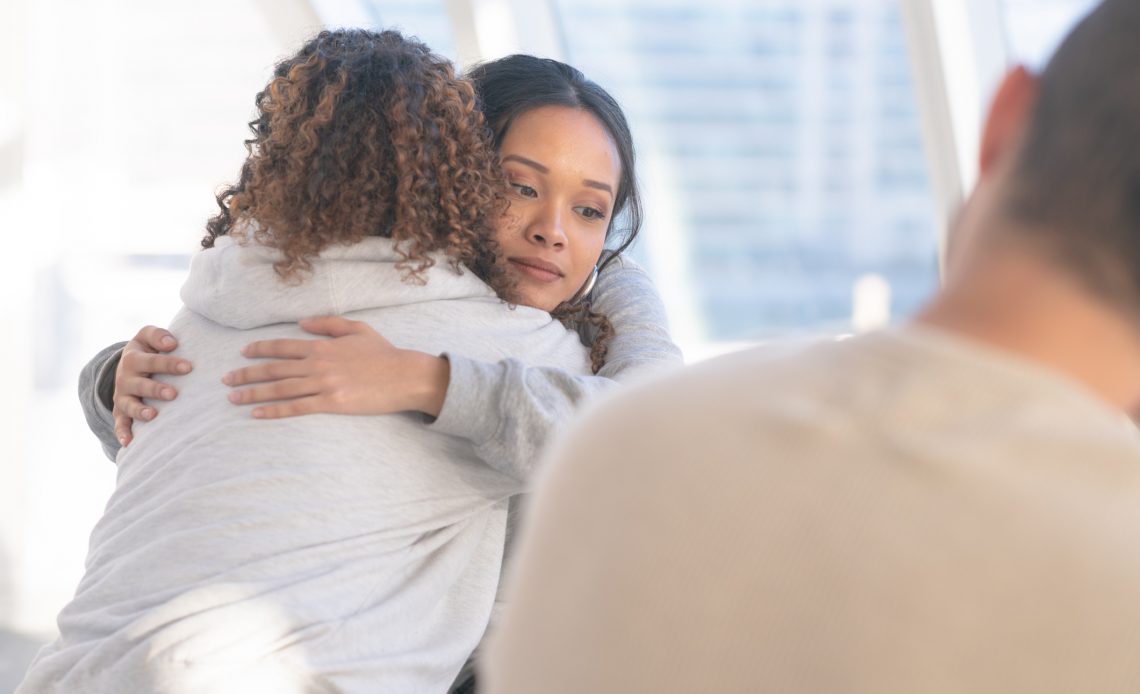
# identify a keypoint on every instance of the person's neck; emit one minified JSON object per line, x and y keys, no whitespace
{"x":1019,"y":302}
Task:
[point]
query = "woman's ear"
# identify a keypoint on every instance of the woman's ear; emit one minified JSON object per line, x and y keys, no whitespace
{"x":1008,"y":117}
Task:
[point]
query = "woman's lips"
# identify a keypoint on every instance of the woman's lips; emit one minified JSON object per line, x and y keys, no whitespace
{"x":536,"y":269}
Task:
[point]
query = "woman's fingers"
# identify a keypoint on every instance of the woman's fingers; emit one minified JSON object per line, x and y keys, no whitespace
{"x":143,"y":387}
{"x":291,"y":408}
{"x":350,"y":373}
{"x":136,"y":363}
{"x":133,"y":408}
{"x":156,"y":339}
{"x":279,"y":349}
{"x":142,"y":357}
{"x":333,"y":326}
{"x":123,"y":429}
{"x":277,"y":390}
{"x":271,"y":371}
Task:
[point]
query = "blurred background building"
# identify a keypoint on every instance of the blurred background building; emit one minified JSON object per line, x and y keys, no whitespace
{"x":782,"y":151}
{"x":800,"y":160}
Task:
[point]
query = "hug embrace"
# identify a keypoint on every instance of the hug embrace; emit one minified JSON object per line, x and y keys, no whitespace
{"x":457,"y":242}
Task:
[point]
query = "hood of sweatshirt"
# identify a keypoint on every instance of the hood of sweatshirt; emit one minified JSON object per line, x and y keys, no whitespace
{"x":234,"y":283}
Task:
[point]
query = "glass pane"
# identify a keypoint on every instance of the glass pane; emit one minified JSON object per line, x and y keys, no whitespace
{"x":781,"y":155}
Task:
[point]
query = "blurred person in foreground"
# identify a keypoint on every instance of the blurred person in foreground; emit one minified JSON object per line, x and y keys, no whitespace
{"x":952,"y":505}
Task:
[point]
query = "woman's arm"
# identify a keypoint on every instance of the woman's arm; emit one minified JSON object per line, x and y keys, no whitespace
{"x":96,"y":390}
{"x":114,"y":383}
{"x":510,"y":410}
{"x":507,"y":409}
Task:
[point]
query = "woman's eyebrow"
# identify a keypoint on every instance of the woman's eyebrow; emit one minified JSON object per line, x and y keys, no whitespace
{"x":590,"y":183}
{"x":529,"y":162}
{"x":599,"y":185}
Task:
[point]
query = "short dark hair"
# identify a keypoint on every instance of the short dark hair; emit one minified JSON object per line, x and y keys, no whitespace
{"x":511,"y":86}
{"x":1077,"y":175}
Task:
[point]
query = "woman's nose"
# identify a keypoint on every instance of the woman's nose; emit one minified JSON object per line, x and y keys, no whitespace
{"x":547,"y":229}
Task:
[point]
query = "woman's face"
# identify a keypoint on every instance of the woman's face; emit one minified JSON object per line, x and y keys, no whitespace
{"x":564,"y":170}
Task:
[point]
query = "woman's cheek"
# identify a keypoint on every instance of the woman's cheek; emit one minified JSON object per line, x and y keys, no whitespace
{"x":507,"y":225}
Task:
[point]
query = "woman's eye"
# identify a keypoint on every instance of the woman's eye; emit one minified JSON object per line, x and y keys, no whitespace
{"x":591,"y":213}
{"x":525,"y":190}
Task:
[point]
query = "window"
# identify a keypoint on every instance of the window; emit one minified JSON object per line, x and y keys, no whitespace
{"x":780,"y":154}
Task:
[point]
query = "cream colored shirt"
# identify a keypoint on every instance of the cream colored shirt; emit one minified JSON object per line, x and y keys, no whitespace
{"x":896,"y":513}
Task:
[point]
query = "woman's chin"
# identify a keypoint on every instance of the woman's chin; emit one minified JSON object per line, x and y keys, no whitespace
{"x":536,"y":300}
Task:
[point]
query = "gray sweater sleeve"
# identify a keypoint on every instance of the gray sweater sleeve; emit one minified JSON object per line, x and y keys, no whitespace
{"x":509,"y":410}
{"x":96,"y":388}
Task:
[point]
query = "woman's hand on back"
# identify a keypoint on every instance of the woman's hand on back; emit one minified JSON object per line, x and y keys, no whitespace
{"x":143,"y":357}
{"x":358,"y":372}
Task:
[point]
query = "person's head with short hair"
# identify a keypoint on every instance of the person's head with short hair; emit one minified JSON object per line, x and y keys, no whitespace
{"x":1074,"y":183}
{"x":366,"y":133}
{"x":1044,"y":259}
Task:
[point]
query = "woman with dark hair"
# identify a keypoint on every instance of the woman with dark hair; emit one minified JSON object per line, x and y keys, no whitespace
{"x":568,"y":153}
{"x":327,"y":553}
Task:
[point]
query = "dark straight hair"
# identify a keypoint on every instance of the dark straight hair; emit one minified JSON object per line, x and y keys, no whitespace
{"x":511,"y":86}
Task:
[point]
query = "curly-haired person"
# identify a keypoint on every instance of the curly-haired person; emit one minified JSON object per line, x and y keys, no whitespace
{"x":327,"y":553}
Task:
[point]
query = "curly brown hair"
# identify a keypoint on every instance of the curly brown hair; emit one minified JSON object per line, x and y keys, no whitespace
{"x":581,"y":316}
{"x":366,"y":133}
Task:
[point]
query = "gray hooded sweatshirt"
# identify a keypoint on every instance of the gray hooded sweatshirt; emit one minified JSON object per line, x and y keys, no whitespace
{"x":322,"y":553}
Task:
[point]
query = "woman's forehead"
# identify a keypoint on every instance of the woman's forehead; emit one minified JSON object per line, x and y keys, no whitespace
{"x":564,"y":137}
